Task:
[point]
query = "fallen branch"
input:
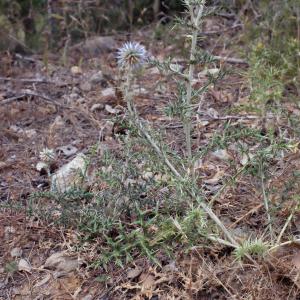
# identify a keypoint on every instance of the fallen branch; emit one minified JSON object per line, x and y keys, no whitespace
{"x":211,"y":118}
{"x":250,"y":212}
{"x":227,"y":59}
{"x":77,"y":110}
{"x":221,"y":30}
{"x":289,"y":219}
{"x":296,"y":242}
{"x":27,"y":80}
{"x":231,"y":60}
{"x":11,"y":99}
{"x":30,"y":93}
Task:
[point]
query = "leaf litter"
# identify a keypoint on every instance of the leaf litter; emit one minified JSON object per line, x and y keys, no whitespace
{"x":203,"y":272}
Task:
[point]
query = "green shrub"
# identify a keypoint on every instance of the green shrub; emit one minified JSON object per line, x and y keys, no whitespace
{"x":274,"y":55}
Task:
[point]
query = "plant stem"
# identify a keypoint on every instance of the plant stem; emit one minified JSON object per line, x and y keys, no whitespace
{"x":285,"y":226}
{"x":296,"y":241}
{"x":160,"y":153}
{"x":128,"y":96}
{"x":206,"y":208}
{"x":266,"y":200}
{"x":188,"y":119}
{"x":156,"y":148}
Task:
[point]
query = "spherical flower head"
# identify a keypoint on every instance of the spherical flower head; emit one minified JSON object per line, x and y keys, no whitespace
{"x":47,"y":155}
{"x":132,"y":55}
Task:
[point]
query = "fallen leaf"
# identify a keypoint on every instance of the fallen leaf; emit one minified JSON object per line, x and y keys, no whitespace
{"x":97,"y":106}
{"x":24,"y":265}
{"x":216,"y":178}
{"x":133,"y":273}
{"x":43,"y":281}
{"x":198,"y":164}
{"x":111,"y":110}
{"x":221,"y":154}
{"x":60,"y":261}
{"x":148,"y":282}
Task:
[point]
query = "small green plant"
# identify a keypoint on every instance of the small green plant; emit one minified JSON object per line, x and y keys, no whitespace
{"x":11,"y":267}
{"x":251,"y":247}
{"x":266,"y":79}
{"x":274,"y":59}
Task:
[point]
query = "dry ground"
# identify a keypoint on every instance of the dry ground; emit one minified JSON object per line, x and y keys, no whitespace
{"x":53,"y":109}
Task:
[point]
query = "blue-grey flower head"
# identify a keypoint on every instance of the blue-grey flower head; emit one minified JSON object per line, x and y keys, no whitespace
{"x":132,"y":55}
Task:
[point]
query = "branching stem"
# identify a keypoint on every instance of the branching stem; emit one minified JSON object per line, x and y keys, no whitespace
{"x":160,"y":153}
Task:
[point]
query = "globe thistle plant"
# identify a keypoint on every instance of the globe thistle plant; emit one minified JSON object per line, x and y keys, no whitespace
{"x":131,"y":55}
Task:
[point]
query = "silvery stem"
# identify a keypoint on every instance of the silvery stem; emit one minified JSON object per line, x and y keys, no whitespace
{"x":188,"y":122}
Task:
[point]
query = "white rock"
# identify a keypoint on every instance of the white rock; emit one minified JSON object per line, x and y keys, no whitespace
{"x":75,"y":70}
{"x":245,"y":159}
{"x":16,"y":252}
{"x":129,"y":182}
{"x":69,"y":175}
{"x":212,"y":113}
{"x":108,"y":92}
{"x":15,"y":128}
{"x":138,"y":90}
